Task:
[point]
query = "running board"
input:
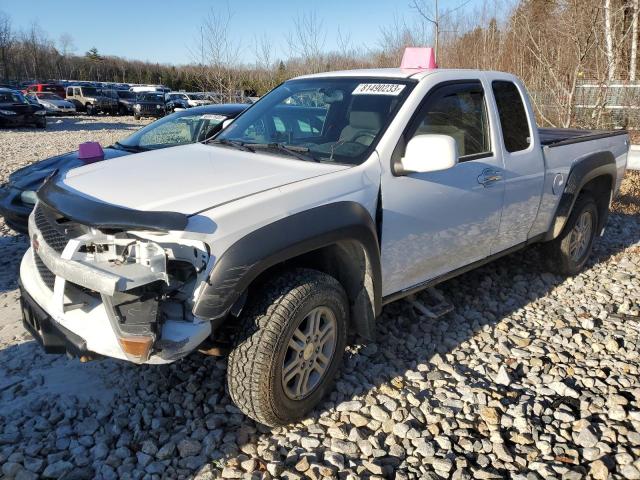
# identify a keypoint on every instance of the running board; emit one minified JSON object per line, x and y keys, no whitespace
{"x":432,"y":304}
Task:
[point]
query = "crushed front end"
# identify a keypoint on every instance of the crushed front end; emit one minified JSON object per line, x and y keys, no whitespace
{"x":122,"y":290}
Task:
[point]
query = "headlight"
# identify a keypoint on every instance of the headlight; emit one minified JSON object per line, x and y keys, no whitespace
{"x":40,"y":112}
{"x":158,"y":106}
{"x":7,"y":112}
{"x":137,"y":106}
{"x":28,"y":197}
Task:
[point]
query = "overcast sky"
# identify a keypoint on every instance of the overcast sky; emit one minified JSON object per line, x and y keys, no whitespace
{"x":167,"y":32}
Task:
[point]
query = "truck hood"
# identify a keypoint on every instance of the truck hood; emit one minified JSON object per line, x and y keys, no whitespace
{"x":188,"y":179}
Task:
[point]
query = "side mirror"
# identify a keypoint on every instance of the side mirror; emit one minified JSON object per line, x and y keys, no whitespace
{"x":429,"y":153}
{"x":226,"y":123}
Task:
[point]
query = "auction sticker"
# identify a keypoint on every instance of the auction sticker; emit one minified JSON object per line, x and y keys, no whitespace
{"x":378,"y":89}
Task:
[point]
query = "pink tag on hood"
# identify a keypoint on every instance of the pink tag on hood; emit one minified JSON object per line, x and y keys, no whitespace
{"x":90,"y":152}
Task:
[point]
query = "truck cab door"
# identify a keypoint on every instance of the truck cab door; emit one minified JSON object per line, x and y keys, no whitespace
{"x":437,"y":222}
{"x":524,"y":171}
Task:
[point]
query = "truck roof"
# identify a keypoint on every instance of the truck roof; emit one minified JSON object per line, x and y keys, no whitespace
{"x":417,"y":74}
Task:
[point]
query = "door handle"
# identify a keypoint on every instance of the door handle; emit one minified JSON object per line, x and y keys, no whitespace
{"x":489,"y":176}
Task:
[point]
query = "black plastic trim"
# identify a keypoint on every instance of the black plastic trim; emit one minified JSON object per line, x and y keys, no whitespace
{"x":585,"y":170}
{"x":102,"y":215}
{"x":283,"y":240}
{"x":53,"y":337}
{"x":587,"y":137}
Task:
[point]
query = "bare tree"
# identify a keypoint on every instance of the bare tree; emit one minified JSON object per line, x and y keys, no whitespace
{"x":6,"y":41}
{"x":435,"y":17}
{"x":634,"y":40}
{"x":307,"y":41}
{"x":66,"y":44}
{"x":217,"y":55}
{"x":608,"y":34}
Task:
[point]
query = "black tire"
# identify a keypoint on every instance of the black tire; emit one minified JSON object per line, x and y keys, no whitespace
{"x":42,"y":123}
{"x":136,"y":116}
{"x":122,"y":110}
{"x":561,"y":258}
{"x":90,"y":109}
{"x":255,"y":369}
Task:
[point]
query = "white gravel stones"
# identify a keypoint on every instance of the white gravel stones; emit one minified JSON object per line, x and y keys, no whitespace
{"x":532,"y":376}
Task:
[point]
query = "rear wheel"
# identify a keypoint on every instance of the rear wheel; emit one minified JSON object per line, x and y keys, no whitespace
{"x":42,"y":123}
{"x":90,"y":109}
{"x":290,"y":346}
{"x":568,"y":253}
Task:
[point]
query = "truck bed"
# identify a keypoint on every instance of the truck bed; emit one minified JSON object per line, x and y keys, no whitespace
{"x":553,"y":137}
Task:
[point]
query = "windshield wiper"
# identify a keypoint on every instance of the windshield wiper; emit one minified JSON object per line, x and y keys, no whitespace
{"x":232,"y":143}
{"x":293,"y":150}
{"x":130,"y":148}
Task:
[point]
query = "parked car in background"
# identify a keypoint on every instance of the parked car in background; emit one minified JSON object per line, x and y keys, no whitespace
{"x":126,"y":101}
{"x":91,"y":100}
{"x":56,"y":88}
{"x":53,"y":104}
{"x":149,"y":104}
{"x":149,"y":88}
{"x":17,"y":111}
{"x":18,"y":196}
{"x":177,"y":100}
{"x":197,"y":99}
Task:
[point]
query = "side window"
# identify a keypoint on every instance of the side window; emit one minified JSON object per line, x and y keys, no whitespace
{"x":513,"y":116}
{"x":457,"y":110}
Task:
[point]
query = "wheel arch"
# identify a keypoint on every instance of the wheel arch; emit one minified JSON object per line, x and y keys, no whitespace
{"x":338,"y":238}
{"x":595,"y":174}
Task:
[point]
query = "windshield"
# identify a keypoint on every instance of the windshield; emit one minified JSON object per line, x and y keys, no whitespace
{"x":176,"y":129}
{"x":329,"y":119}
{"x":151,"y":97}
{"x":125,"y":94}
{"x":89,"y":92}
{"x":12,"y":97}
{"x":48,"y":96}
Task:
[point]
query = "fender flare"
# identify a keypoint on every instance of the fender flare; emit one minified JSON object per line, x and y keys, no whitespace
{"x":286,"y":239}
{"x":590,"y":167}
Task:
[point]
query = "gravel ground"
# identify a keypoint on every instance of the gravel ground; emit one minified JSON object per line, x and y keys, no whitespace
{"x":532,"y":376}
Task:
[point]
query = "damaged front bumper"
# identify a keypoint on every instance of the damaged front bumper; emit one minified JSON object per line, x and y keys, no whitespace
{"x":122,"y":295}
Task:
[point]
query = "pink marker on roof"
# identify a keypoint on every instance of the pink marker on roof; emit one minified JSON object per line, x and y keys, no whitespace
{"x":419,"y":58}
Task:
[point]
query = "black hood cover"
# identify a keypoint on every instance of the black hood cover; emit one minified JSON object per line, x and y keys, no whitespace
{"x":100,"y":215}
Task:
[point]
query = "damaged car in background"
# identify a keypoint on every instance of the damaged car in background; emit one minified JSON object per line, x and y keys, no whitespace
{"x":282,"y":237}
{"x":18,"y":195}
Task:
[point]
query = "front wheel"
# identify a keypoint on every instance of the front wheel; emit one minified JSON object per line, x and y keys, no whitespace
{"x":289,"y":348}
{"x":568,"y":253}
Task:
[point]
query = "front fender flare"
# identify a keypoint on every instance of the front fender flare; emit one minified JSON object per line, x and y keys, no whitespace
{"x":283,"y":240}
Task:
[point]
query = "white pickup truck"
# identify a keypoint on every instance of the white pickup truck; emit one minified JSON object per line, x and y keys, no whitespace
{"x":333,"y":195}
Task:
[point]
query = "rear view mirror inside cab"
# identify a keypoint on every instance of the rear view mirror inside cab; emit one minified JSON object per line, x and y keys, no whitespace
{"x":332,"y":95}
{"x":428,"y":153}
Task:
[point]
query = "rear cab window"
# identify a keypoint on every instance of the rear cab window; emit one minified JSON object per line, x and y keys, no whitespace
{"x":513,"y":116}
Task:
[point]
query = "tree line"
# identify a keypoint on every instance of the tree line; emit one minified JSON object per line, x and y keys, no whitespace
{"x":553,"y":45}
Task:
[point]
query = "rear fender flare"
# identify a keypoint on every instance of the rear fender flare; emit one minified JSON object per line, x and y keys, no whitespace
{"x":286,"y":239}
{"x":592,"y":166}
